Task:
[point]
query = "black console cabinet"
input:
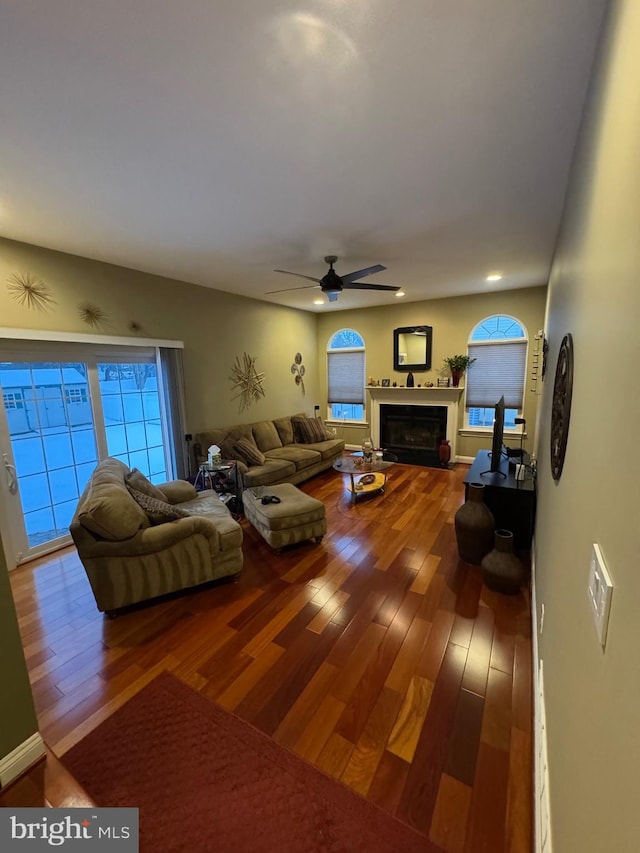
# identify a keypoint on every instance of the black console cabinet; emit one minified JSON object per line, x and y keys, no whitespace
{"x":512,"y":502}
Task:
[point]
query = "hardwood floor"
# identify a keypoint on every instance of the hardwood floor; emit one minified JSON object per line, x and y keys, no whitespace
{"x":376,"y":655}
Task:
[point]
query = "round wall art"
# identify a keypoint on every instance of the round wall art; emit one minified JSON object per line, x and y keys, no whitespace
{"x":561,"y":406}
{"x":297,"y":368}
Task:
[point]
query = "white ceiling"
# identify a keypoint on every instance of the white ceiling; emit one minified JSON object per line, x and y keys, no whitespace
{"x":215,"y":141}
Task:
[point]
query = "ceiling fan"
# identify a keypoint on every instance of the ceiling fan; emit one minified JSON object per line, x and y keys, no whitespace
{"x":332,"y":284}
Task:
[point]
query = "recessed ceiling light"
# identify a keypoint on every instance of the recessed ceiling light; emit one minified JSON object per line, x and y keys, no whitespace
{"x":400,"y":293}
{"x":318,"y":301}
{"x":495,"y":276}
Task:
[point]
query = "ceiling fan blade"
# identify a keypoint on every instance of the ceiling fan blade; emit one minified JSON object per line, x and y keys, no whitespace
{"x":332,"y":295}
{"x":300,"y":275}
{"x":353,"y":276}
{"x":287,"y":289}
{"x":359,"y":286}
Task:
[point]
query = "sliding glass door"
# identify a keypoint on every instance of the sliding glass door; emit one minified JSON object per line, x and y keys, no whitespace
{"x":132,"y":417}
{"x":57,"y":420}
{"x":52,"y":446}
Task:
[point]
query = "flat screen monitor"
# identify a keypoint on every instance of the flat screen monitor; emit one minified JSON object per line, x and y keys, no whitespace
{"x":498,"y":435}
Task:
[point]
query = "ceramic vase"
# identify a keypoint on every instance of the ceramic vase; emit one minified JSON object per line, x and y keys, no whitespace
{"x":410,"y":380}
{"x":456,"y":376}
{"x":444,"y":452}
{"x":501,"y":569}
{"x":474,"y":525}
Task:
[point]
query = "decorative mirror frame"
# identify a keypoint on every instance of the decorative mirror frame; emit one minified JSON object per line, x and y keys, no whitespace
{"x":405,"y":366}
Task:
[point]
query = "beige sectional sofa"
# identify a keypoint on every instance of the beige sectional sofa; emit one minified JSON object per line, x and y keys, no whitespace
{"x":132,"y":554}
{"x":289,"y":455}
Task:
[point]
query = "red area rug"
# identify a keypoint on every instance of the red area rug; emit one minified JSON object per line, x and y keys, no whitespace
{"x":205,"y":780}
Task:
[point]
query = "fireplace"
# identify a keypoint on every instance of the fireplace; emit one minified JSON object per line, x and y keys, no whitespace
{"x":413,"y":433}
{"x":423,"y":448}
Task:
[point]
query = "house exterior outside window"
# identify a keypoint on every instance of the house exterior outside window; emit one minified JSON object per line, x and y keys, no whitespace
{"x":13,"y":400}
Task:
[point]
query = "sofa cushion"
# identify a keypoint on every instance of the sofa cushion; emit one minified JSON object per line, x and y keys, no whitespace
{"x":135,"y":479}
{"x":302,"y":457}
{"x":207,"y":504}
{"x":176,"y":491}
{"x":285,"y":430}
{"x":157,"y":511}
{"x":273,"y":471}
{"x":266,"y":436}
{"x":109,"y":511}
{"x":329,"y":449}
{"x":248,"y":451}
{"x":309,"y":430}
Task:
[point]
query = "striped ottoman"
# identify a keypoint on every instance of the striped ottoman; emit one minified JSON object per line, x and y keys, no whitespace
{"x":297,"y":517}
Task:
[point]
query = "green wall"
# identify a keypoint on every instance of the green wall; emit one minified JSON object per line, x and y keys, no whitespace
{"x":17,"y":714}
{"x":452,"y":321}
{"x":593,"y":694}
{"x":215,"y":327}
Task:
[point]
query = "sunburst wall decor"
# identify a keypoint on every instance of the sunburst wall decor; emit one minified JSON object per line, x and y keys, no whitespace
{"x":92,"y":314}
{"x":246,"y":381}
{"x":30,"y":291}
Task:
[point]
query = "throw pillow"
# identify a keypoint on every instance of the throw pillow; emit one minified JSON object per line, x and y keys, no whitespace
{"x":298,"y":434}
{"x":158,"y":511}
{"x":227,"y":443}
{"x":248,"y":452}
{"x":137,"y":480}
{"x":329,"y":434}
{"x":309,"y":430}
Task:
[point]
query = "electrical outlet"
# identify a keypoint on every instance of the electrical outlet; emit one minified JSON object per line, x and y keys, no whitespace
{"x":600,"y":590}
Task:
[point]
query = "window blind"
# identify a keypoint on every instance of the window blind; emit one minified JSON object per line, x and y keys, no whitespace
{"x":499,"y":370}
{"x":345,"y":372}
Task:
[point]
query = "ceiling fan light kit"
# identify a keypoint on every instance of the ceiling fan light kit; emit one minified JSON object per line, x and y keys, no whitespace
{"x":332,"y":284}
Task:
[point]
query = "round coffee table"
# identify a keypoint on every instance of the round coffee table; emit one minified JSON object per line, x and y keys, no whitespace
{"x":365,"y":477}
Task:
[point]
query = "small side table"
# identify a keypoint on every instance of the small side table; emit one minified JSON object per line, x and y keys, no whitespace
{"x":218,"y":477}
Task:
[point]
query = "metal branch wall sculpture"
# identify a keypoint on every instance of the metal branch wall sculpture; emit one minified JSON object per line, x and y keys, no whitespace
{"x":30,"y":291}
{"x":297,"y":368}
{"x":246,"y":381}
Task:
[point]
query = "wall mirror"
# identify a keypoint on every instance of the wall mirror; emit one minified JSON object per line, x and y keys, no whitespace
{"x":412,"y":348}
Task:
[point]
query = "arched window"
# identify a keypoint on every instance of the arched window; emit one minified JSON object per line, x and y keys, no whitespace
{"x":345,"y":376}
{"x":499,"y":346}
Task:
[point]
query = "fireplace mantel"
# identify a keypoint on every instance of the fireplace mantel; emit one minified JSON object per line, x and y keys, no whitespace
{"x":389,"y":396}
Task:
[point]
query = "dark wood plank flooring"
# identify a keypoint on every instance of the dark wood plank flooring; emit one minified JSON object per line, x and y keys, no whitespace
{"x":376,"y":655}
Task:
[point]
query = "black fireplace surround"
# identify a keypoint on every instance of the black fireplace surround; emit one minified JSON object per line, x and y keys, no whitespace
{"x":413,"y":433}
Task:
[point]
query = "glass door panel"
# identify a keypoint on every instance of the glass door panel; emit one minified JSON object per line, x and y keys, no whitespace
{"x":53,"y":446}
{"x":57,"y":420}
{"x":132,"y":417}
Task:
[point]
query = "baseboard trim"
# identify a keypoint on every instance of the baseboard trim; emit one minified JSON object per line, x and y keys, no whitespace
{"x":20,"y":759}
{"x":541,"y":806}
{"x":465,"y":460}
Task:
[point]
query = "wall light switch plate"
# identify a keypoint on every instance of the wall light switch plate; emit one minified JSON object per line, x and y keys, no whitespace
{"x":600,"y":591}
